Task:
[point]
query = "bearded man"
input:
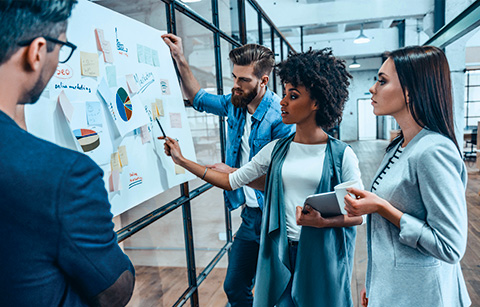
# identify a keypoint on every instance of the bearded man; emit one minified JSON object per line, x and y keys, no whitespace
{"x":254,"y":119}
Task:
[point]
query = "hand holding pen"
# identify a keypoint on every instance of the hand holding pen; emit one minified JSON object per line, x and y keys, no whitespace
{"x":172,"y":149}
{"x":164,"y":137}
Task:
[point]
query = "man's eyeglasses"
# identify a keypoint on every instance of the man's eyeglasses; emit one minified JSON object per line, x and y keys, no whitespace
{"x":66,"y":50}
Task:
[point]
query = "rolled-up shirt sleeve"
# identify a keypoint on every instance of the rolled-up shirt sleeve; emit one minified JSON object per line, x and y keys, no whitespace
{"x":442,"y":182}
{"x":254,"y":169}
{"x":210,"y":103}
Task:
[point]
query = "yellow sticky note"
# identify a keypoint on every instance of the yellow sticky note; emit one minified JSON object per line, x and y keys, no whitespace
{"x":179,"y":170}
{"x":115,"y":162}
{"x":89,"y":64}
{"x":122,"y":152}
{"x":155,"y":113}
{"x":159,"y":103}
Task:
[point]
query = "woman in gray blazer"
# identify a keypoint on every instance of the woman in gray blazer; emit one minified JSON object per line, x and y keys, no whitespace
{"x":417,"y":215}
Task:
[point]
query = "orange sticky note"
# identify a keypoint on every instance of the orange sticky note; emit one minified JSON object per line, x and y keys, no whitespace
{"x":159,"y":103}
{"x":115,"y":162}
{"x":122,"y":153}
{"x":99,"y":38}
{"x":155,"y":112}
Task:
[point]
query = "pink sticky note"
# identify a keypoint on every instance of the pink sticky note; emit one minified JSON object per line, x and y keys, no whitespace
{"x":66,"y":105}
{"x":146,"y":137}
{"x":132,"y":85}
{"x":107,"y":52}
{"x":175,"y":120}
{"x":114,"y":181}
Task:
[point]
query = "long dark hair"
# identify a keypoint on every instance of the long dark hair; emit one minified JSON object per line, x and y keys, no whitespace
{"x":423,"y":71}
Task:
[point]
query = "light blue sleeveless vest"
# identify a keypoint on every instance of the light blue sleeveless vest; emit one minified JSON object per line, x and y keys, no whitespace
{"x":324,"y":262}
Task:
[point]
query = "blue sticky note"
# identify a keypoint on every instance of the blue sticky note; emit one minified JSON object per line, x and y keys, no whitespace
{"x":148,"y":55}
{"x":111,"y":76}
{"x":140,"y":54}
{"x":155,"y":59}
{"x":94,"y":113}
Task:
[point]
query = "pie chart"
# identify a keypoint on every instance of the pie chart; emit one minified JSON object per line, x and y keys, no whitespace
{"x":88,"y":139}
{"x":124,"y":104}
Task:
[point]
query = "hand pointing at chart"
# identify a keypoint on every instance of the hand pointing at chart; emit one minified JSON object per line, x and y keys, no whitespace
{"x":219,"y":179}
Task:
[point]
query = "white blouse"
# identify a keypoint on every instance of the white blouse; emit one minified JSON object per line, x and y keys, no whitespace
{"x":301,"y":174}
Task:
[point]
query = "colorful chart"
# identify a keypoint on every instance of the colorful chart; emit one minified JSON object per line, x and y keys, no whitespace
{"x":124,"y":105}
{"x":88,"y":139}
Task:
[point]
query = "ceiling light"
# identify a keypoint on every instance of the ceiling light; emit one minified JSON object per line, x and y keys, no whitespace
{"x":354,"y":64}
{"x":190,"y":1}
{"x":362,"y":38}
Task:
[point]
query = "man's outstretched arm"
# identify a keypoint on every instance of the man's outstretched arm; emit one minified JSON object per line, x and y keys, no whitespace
{"x":190,"y":85}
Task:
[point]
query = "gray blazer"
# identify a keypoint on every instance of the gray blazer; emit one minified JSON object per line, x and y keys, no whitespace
{"x":418,"y":264}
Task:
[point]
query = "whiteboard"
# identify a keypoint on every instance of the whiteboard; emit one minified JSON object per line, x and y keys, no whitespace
{"x":104,"y":101}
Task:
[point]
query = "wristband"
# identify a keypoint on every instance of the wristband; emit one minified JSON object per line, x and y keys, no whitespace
{"x":205,"y":172}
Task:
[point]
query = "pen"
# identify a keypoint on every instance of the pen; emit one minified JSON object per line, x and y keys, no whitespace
{"x":163,"y":132}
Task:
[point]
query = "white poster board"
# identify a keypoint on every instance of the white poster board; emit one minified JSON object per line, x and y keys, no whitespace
{"x":104,"y":102}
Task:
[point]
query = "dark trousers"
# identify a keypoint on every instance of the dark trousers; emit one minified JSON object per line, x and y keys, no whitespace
{"x":243,"y":256}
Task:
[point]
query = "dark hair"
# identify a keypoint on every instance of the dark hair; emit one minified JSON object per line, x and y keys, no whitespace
{"x":22,"y":20}
{"x":262,"y":58}
{"x":424,"y":73}
{"x":325,"y":78}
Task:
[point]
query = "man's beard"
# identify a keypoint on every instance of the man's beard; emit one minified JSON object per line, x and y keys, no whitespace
{"x":34,"y":94}
{"x":241,"y":101}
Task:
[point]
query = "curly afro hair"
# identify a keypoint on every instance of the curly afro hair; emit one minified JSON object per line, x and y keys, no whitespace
{"x":325,"y":78}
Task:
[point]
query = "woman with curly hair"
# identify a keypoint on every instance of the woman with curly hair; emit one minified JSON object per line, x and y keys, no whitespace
{"x":417,"y":213}
{"x":305,"y":259}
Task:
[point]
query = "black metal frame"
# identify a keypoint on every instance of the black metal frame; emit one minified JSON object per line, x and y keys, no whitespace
{"x":172,"y":7}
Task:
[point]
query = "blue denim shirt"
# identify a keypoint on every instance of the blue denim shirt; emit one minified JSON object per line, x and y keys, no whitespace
{"x":267,"y":125}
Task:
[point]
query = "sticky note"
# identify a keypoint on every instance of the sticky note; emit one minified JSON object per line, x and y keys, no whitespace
{"x":89,"y":64}
{"x":155,"y":113}
{"x":155,"y":59}
{"x":66,"y":105}
{"x":111,"y":75}
{"x":94,"y":113}
{"x":115,"y":162}
{"x":159,"y":103}
{"x":114,"y":181}
{"x":104,"y":91}
{"x":132,"y":85}
{"x":99,"y":38}
{"x":107,"y":52}
{"x":164,"y":86}
{"x":175,"y":120}
{"x":148,"y":55}
{"x":140,"y":54}
{"x":179,"y":170}
{"x":122,"y":152}
{"x":145,"y":134}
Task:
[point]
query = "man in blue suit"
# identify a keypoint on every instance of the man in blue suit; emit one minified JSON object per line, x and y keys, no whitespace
{"x":58,"y":244}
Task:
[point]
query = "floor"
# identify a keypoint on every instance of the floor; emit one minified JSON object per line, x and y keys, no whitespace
{"x":162,"y":285}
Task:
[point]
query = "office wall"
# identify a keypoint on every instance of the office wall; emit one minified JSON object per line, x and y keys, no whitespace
{"x":361,"y":82}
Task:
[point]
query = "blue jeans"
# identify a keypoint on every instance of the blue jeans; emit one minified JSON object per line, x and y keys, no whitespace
{"x":243,"y":256}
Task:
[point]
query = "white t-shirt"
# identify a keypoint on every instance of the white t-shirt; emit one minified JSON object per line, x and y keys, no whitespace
{"x":250,"y":197}
{"x":301,"y":174}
